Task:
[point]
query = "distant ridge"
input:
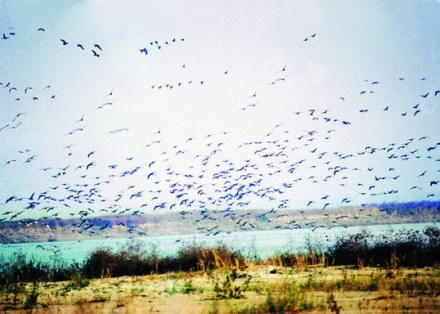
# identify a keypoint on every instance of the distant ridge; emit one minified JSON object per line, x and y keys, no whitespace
{"x":184,"y":222}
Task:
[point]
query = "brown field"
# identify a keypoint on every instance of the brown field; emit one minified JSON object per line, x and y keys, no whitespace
{"x":257,"y":289}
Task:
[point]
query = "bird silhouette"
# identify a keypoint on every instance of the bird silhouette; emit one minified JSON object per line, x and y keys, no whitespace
{"x":82,"y":119}
{"x":17,"y":116}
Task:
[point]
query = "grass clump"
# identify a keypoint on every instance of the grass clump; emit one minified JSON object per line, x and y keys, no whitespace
{"x":188,"y":287}
{"x":32,"y":298}
{"x":230,"y":284}
{"x":288,"y":297}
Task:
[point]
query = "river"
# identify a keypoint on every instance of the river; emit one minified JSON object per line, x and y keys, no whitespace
{"x":263,"y":243}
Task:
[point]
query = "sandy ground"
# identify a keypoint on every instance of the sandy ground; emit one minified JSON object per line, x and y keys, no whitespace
{"x":366,"y":290}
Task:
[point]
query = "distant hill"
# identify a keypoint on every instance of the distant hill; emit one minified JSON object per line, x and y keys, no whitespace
{"x":213,"y":222}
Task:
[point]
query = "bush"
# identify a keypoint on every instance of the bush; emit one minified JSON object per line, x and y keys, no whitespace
{"x":19,"y":269}
{"x":407,"y":248}
{"x":133,"y":261}
{"x":230,"y":287}
{"x":350,"y":251}
{"x":195,"y":257}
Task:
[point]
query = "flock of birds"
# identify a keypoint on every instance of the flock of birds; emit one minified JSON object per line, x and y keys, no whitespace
{"x":158,"y":45}
{"x":95,"y":49}
{"x":200,"y":176}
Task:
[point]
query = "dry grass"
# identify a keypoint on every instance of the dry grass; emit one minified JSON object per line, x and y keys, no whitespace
{"x":271,"y":289}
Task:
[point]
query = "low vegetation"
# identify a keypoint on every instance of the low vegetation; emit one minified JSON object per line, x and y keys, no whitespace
{"x":404,"y":267}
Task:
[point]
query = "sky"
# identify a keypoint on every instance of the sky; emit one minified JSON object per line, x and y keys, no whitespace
{"x":245,"y":105}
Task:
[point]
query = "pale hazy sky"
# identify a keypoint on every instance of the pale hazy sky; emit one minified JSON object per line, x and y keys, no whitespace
{"x":357,"y":44}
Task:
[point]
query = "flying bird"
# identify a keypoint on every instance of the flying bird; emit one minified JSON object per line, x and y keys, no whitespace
{"x":119,"y":130}
{"x":17,"y":116}
{"x":9,"y":162}
{"x":103,"y":105}
{"x":82,"y":119}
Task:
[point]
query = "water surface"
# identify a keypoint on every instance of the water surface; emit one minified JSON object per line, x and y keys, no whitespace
{"x":262,"y":243}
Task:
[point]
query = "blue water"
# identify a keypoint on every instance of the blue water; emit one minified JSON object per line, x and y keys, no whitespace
{"x":263,"y":243}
